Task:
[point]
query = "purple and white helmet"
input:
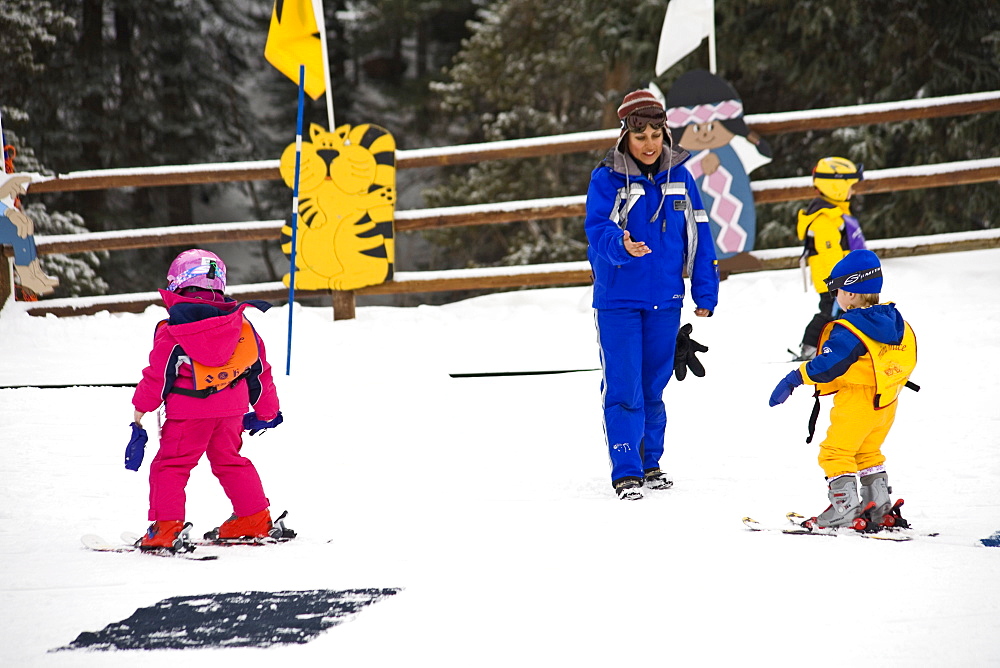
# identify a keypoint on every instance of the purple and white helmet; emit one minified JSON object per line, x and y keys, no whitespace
{"x":197,"y":268}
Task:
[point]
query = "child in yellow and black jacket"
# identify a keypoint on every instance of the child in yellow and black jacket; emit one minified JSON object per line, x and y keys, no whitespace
{"x":866,"y":358}
{"x":828,"y":232}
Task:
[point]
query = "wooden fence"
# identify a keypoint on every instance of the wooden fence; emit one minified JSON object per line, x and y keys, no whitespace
{"x":774,"y":190}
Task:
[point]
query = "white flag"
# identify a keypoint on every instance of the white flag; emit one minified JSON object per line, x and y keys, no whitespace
{"x":687,"y":23}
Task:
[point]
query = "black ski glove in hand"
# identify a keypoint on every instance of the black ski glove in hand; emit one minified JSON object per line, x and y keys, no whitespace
{"x":684,"y":357}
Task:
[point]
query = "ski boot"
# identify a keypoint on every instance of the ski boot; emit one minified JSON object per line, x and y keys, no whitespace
{"x":258,"y":525}
{"x":844,"y":509}
{"x":657,"y":479}
{"x":629,"y":489}
{"x":167,"y":535}
{"x":894,"y":519}
{"x":806,"y":353}
{"x":252,"y":527}
{"x":884,"y":513}
{"x":279,"y":531}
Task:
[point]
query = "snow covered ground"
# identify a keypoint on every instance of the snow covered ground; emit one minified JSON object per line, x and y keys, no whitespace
{"x":487,"y":500}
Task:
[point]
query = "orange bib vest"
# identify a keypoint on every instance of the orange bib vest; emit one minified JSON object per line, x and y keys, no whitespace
{"x":210,"y":379}
{"x":888,"y":369}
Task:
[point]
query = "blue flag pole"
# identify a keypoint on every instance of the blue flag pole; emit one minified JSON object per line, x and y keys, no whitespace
{"x":295,"y":215}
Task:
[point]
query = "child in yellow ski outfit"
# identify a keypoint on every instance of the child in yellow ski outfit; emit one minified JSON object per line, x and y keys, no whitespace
{"x":866,"y":358}
{"x":828,"y":232}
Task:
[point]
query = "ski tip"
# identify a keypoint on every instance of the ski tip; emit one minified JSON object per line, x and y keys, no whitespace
{"x":93,"y":541}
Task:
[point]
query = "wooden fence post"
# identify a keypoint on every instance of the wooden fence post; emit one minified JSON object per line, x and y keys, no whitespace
{"x":343,"y":304}
{"x":6,"y":278}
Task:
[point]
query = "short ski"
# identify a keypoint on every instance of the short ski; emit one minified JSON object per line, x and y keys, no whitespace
{"x":279,"y":534}
{"x":899,"y":531}
{"x":891,"y":534}
{"x":233,"y":542}
{"x":877,"y":534}
{"x":98,"y":544}
{"x":131,"y":538}
{"x":754,"y":525}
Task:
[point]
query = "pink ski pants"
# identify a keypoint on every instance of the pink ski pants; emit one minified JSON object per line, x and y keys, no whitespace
{"x":182,"y":443}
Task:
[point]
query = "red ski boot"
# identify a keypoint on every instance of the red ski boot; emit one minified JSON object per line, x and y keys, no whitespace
{"x":163,"y":535}
{"x":257,"y":525}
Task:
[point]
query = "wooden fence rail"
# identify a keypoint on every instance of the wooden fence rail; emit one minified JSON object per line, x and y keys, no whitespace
{"x":765,"y":124}
{"x":558,"y":274}
{"x":774,"y":190}
{"x":768,"y":191}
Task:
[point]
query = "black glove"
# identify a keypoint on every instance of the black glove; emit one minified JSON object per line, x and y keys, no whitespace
{"x":684,"y":358}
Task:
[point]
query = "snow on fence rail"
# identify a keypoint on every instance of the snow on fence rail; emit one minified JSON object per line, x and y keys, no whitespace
{"x":773,"y":190}
{"x":599,"y":140}
{"x":545,"y":275}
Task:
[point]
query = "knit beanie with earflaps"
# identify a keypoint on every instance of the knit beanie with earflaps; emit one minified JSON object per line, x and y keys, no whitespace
{"x":859,"y":272}
{"x":636,"y":100}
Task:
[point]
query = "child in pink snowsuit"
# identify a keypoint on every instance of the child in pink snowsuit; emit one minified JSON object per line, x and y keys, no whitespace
{"x":207,"y":365}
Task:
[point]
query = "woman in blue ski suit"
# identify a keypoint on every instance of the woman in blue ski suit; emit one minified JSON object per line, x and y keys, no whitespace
{"x":646,"y":230}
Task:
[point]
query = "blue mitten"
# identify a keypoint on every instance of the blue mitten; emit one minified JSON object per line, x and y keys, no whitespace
{"x":135,"y":448}
{"x":255,"y":424}
{"x":785,"y":387}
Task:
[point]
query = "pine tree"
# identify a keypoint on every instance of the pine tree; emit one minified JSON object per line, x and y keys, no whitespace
{"x":534,"y":69}
{"x":141,"y":84}
{"x":784,"y":55}
{"x":32,"y":32}
{"x":518,"y":76}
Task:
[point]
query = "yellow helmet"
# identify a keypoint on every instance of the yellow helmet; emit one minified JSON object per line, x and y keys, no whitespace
{"x":833,"y":177}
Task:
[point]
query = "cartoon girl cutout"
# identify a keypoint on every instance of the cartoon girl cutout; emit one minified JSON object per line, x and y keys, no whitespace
{"x":705,"y":116}
{"x":17,"y":230}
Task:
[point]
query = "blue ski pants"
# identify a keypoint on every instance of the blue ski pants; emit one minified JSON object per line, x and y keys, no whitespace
{"x":637,"y":358}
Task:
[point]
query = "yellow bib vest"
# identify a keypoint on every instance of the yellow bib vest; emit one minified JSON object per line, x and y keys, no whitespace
{"x":888,"y":367}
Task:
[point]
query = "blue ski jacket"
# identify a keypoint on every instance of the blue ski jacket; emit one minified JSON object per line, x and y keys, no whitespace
{"x":665,"y":212}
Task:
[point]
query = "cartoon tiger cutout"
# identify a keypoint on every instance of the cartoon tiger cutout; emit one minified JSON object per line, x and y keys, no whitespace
{"x":347,"y":197}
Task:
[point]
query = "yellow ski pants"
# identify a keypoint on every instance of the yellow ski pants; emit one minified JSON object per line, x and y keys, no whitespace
{"x":854,"y":440}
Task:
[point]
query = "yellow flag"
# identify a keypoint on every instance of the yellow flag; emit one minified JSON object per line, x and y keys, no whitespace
{"x":293,"y":40}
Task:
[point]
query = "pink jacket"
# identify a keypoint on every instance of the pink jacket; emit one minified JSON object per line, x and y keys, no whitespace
{"x":205,"y":331}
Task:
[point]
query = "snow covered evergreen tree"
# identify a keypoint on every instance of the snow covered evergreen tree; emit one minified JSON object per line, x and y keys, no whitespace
{"x":547,"y":67}
{"x":31,"y":31}
{"x":533,"y":69}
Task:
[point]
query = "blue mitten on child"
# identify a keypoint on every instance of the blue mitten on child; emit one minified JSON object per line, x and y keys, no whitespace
{"x":136,"y":448}
{"x":255,"y":424}
{"x":785,"y":388}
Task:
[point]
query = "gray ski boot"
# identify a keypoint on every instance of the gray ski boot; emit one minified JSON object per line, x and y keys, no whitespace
{"x":885,"y":513}
{"x":845,"y":506}
{"x":875,"y":489}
